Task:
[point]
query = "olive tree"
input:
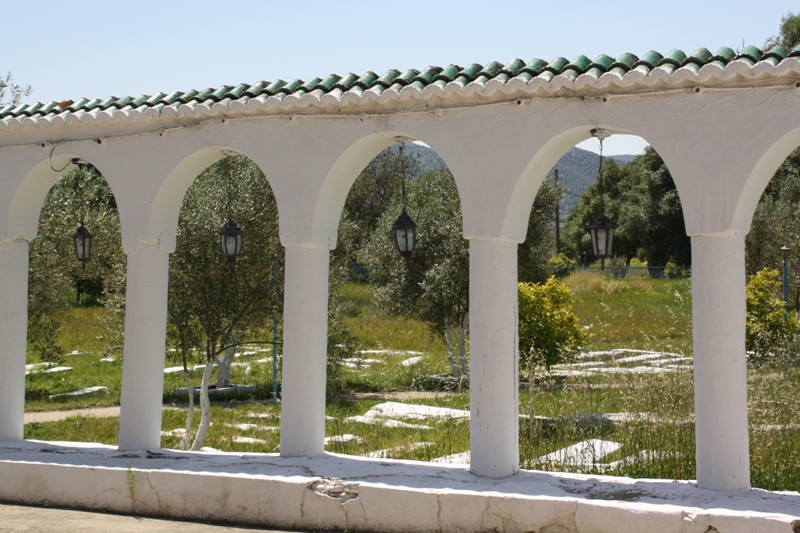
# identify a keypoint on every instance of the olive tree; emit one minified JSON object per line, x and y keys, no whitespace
{"x":214,"y":302}
{"x":433,"y":283}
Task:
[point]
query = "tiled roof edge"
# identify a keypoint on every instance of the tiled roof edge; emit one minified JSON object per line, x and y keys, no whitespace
{"x":534,"y":76}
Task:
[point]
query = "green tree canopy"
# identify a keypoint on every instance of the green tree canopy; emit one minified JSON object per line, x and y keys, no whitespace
{"x":642,"y":200}
{"x":213,"y":302}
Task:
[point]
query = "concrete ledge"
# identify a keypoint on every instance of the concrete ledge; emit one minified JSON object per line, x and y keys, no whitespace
{"x":357,"y":494}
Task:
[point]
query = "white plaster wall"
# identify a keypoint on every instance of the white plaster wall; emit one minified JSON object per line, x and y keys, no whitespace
{"x":354,"y":494}
{"x":721,"y":145}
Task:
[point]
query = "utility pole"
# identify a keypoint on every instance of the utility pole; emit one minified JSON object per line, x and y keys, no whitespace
{"x":558,"y":212}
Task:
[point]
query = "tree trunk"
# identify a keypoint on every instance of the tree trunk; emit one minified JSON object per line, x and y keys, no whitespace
{"x":451,"y":352}
{"x":225,"y":359}
{"x":205,"y":407}
{"x":187,"y":435}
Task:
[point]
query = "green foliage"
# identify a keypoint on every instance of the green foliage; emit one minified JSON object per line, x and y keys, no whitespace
{"x":533,"y":255}
{"x":10,"y":92}
{"x":789,"y":35}
{"x":57,"y":281}
{"x":641,"y":199}
{"x":43,"y":335}
{"x":769,"y":332}
{"x":644,"y":314}
{"x":212,"y":301}
{"x":377,"y":186}
{"x":433,"y":284}
{"x":549,"y":330}
{"x":775,"y":224}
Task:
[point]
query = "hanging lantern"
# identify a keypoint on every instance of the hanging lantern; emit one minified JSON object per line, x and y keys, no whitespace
{"x":404,"y":231}
{"x":83,"y":244}
{"x":602,"y":233}
{"x":230,"y":239}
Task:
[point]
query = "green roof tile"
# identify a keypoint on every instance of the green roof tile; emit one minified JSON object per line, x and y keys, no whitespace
{"x":490,"y":70}
{"x":750,"y":52}
{"x":367,"y":79}
{"x":777,"y":52}
{"x":425,"y":77}
{"x":651,"y":59}
{"x":557,"y":65}
{"x":388,"y":78}
{"x":291,"y":87}
{"x":448,"y":73}
{"x":406,"y":76}
{"x":310,"y":85}
{"x":579,"y":65}
{"x":513,"y":67}
{"x":626,"y":62}
{"x":674,"y":58}
{"x":699,"y":57}
{"x":535,"y":66}
{"x":724,"y":55}
{"x":395,"y":80}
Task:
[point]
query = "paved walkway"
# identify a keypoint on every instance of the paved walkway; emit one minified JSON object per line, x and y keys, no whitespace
{"x":18,"y":518}
{"x":53,"y":416}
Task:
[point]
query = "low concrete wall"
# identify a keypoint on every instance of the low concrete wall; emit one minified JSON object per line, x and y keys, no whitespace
{"x":356,"y":494}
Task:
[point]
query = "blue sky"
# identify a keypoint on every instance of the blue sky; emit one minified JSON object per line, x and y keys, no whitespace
{"x":97,"y":49}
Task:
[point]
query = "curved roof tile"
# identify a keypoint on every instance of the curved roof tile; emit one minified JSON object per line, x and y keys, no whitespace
{"x":625,"y":71}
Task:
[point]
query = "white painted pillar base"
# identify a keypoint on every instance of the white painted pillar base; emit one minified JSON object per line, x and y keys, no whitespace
{"x":13,"y":336}
{"x":305,"y":347}
{"x":144,"y":350}
{"x":720,"y":366}
{"x":494,"y":355}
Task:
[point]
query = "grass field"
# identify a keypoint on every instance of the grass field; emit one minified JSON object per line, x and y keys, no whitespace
{"x":623,"y":413}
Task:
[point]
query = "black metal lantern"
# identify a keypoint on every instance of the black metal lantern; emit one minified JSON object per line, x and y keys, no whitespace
{"x":230,"y":239}
{"x":602,"y":233}
{"x":404,"y":231}
{"x":83,"y":244}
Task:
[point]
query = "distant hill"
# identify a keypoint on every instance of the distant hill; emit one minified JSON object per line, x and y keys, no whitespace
{"x":576,"y":170}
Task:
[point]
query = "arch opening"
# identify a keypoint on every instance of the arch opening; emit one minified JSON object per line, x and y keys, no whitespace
{"x":224,"y":314}
{"x":772,"y":247}
{"x":407,"y":317}
{"x":76,"y":307}
{"x":617,"y":396}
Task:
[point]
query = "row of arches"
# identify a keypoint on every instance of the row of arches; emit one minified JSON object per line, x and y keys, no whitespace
{"x":499,"y":156}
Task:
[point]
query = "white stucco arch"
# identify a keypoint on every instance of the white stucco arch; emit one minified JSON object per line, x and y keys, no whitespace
{"x":721,"y":129}
{"x":762,"y":172}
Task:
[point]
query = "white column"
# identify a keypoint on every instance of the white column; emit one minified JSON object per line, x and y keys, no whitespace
{"x":305,"y":346}
{"x":13,"y":336}
{"x":494,"y":354}
{"x":720,"y":370}
{"x":144,"y":349}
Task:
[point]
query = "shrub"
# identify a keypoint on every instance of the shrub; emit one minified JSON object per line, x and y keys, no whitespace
{"x":549,"y":330}
{"x":769,"y":333}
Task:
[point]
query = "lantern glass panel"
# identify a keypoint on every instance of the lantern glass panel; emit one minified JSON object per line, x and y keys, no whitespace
{"x":230,"y":240}
{"x":404,"y":231}
{"x":82,"y":240}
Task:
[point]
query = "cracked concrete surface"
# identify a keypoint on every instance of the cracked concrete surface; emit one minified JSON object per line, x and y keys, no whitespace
{"x":359,"y":494}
